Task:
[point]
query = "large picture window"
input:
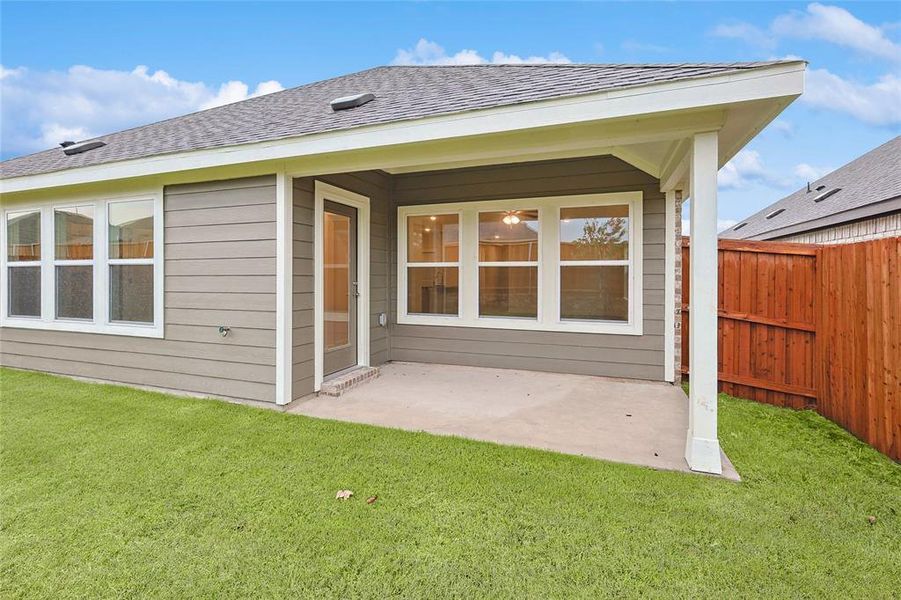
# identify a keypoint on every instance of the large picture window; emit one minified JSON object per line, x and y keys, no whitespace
{"x":570,"y":263}
{"x":97,"y":271}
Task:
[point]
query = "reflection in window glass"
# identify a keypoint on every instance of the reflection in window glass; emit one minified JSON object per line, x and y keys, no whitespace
{"x":74,"y":233}
{"x":23,"y":235}
{"x":75,"y":292}
{"x":508,"y":292}
{"x":508,"y":235}
{"x":131,"y":229}
{"x":24,"y":291}
{"x":432,"y":290}
{"x":433,"y":238}
{"x":131,"y":293}
{"x":594,"y":233}
{"x":597,"y":293}
{"x":336,"y":284}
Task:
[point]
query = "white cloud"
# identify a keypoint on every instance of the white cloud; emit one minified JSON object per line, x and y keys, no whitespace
{"x":235,"y":91}
{"x":877,"y":103}
{"x":426,"y":52}
{"x":42,"y":108}
{"x":808,"y":172}
{"x":830,"y":24}
{"x":4,"y":72}
{"x":745,"y":32}
{"x":836,"y":26}
{"x":747,"y":168}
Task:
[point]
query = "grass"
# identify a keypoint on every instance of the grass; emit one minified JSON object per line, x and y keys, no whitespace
{"x":109,"y":491}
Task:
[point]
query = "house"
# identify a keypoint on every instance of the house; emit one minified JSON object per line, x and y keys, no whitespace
{"x":857,"y":202}
{"x":508,"y":216}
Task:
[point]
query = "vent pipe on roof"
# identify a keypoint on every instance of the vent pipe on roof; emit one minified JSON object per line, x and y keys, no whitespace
{"x":354,"y":101}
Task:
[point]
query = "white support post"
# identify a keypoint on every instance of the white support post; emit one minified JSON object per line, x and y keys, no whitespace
{"x":284,"y":242}
{"x":669,"y":287}
{"x":702,"y":450}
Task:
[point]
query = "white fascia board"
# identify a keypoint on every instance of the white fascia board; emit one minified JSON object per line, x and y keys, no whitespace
{"x":777,"y":81}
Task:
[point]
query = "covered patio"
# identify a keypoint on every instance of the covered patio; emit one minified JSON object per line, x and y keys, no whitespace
{"x":635,"y":422}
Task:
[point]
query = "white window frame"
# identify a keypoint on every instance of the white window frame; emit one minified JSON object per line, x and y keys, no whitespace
{"x":548,"y":264}
{"x":100,"y":323}
{"x":499,"y":320}
{"x":7,"y":264}
{"x":458,"y":264}
{"x":72,"y":263}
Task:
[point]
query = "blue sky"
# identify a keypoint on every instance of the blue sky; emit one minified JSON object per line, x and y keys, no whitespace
{"x":73,"y":70}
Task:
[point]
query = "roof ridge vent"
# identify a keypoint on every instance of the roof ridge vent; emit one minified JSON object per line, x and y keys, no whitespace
{"x":346,"y":102}
{"x":67,"y":143}
{"x":825,"y":195}
{"x":71,"y":148}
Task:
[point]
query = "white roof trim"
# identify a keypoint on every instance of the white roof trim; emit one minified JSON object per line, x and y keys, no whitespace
{"x":777,"y":81}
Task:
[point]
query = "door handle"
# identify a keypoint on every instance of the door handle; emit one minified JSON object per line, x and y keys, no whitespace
{"x":356,"y":285}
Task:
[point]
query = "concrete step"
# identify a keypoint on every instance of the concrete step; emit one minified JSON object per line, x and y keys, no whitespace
{"x":347,"y":381}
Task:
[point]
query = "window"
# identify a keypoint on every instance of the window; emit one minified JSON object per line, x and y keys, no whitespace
{"x":433,"y":267}
{"x":23,"y":253}
{"x":131,"y":261}
{"x":74,"y":262}
{"x":570,"y":263}
{"x":100,"y":270}
{"x":594,"y":263}
{"x":508,"y":263}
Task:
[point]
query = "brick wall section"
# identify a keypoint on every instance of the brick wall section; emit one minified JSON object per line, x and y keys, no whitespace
{"x":677,"y":338}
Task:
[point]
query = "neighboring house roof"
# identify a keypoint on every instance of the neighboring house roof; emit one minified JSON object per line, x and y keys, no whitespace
{"x":401,"y":93}
{"x":867,"y":186}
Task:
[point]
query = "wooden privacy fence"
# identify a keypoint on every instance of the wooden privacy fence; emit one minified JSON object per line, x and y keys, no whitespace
{"x":806,"y":326}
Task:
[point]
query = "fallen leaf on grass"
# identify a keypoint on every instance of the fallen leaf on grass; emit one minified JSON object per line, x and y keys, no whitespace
{"x":371,"y":499}
{"x":871,"y":520}
{"x":343,"y":494}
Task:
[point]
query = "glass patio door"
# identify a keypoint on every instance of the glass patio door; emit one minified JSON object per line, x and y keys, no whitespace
{"x":340,"y":288}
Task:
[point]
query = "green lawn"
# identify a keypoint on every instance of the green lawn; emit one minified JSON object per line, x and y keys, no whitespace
{"x":108,"y":491}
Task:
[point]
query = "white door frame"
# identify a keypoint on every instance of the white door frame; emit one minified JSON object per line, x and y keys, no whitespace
{"x":322,"y":192}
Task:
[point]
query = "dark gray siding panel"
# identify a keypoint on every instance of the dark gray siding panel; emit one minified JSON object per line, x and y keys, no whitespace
{"x":377,"y":187}
{"x":638,"y":357}
{"x":219,"y":270}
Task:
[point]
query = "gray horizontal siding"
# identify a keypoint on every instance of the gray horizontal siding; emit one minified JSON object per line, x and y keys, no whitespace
{"x":377,"y":187}
{"x":638,"y":357}
{"x":219,"y":270}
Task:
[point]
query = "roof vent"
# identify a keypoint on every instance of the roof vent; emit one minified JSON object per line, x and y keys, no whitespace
{"x":354,"y":101}
{"x":825,"y":195}
{"x":67,"y":143}
{"x":739,"y":226}
{"x":775,"y":213}
{"x":71,"y":148}
{"x":820,"y":188}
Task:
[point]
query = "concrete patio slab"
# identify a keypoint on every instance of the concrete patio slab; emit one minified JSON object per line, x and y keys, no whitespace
{"x":636,"y":422}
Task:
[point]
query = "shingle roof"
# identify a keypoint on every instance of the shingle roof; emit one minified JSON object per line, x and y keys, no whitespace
{"x":402,"y":93}
{"x":866,"y":182}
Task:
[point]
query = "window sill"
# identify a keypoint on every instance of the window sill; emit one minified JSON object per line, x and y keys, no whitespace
{"x":145,"y":331}
{"x":517,"y":324}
